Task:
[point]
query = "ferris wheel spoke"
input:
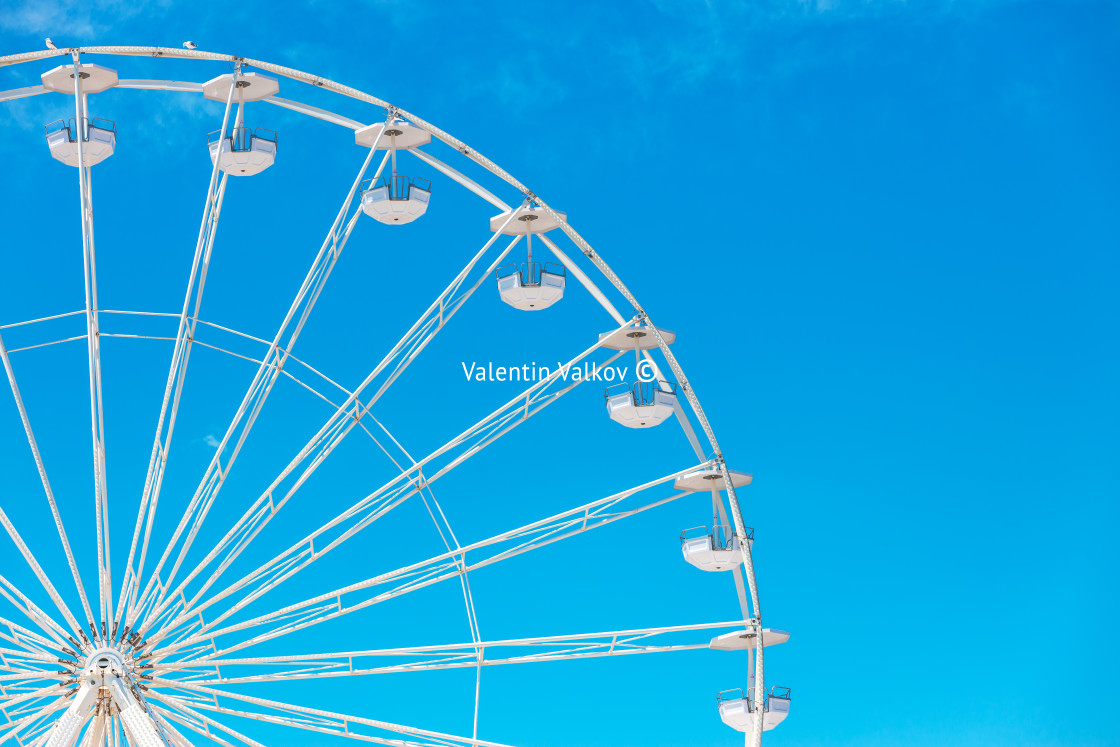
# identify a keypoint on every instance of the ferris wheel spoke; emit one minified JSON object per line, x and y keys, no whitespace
{"x":172,"y":394}
{"x":266,"y":376}
{"x":174,"y":709}
{"x":384,"y":505}
{"x":22,"y":717}
{"x":15,"y":660}
{"x":46,"y":482}
{"x":32,"y":720}
{"x":29,"y":662}
{"x":21,"y":636}
{"x":18,"y":677}
{"x":32,"y":612}
{"x":465,"y":585}
{"x":30,"y":655}
{"x":97,"y":419}
{"x":393,"y":493}
{"x":513,"y":651}
{"x":38,"y":694}
{"x":188,"y":322}
{"x":20,"y":699}
{"x":97,"y":731}
{"x":37,"y":569}
{"x":346,"y":416}
{"x":313,"y":719}
{"x":329,"y":606}
{"x":23,"y":663}
{"x":165,"y":718}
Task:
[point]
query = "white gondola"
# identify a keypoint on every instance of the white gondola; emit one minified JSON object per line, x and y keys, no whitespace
{"x":715,"y":549}
{"x":395,"y":200}
{"x":244,"y":152}
{"x":777,"y":707}
{"x":736,"y":709}
{"x":531,"y":286}
{"x":641,"y":405}
{"x":99,"y":139}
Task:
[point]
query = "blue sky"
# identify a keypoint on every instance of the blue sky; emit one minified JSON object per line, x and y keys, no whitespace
{"x":885,"y":233}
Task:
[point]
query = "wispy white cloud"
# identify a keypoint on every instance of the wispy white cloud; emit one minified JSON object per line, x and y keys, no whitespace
{"x":30,"y":114}
{"x":211,"y":441}
{"x":172,"y":109}
{"x":67,"y":21}
{"x":712,"y":38}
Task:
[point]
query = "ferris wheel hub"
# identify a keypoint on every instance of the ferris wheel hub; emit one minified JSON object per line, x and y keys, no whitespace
{"x":103,"y":664}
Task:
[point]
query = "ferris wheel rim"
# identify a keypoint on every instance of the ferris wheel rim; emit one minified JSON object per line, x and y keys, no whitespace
{"x":716,"y":457}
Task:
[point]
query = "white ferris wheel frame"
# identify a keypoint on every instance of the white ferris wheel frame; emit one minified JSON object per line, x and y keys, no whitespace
{"x":157,"y":617}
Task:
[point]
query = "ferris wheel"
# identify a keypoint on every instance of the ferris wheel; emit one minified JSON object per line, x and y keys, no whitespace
{"x":181,"y":635}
